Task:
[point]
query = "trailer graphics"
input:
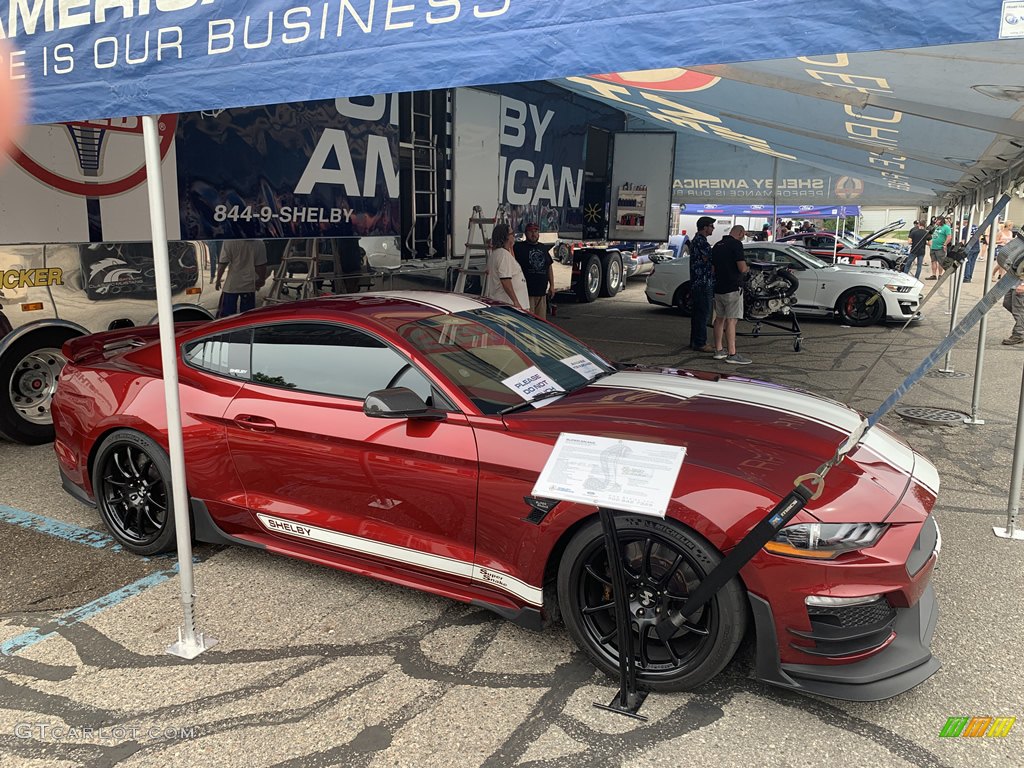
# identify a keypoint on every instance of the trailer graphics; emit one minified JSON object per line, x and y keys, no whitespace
{"x":306,"y":169}
{"x":543,"y":153}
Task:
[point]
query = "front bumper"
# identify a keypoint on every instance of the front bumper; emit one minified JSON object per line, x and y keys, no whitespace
{"x":906,"y":662}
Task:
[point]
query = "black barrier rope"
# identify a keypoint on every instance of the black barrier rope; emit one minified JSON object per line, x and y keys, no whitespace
{"x":989,"y":221}
{"x":1011,"y":259}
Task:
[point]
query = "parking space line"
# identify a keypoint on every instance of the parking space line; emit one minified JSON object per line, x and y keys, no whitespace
{"x":33,"y":636}
{"x":62,"y":530}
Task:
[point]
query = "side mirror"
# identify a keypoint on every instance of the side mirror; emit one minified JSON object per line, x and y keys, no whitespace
{"x":399,"y":403}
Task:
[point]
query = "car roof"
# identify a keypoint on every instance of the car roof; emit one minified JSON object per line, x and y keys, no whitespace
{"x":387,"y":308}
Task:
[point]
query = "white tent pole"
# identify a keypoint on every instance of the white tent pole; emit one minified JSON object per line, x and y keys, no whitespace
{"x":775,"y":198}
{"x":958,"y":283}
{"x":190,"y":644}
{"x":979,"y":362}
{"x":1016,"y":472}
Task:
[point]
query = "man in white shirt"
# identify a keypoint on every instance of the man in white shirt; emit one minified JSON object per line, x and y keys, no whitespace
{"x":246,"y":264}
{"x":505,"y":279}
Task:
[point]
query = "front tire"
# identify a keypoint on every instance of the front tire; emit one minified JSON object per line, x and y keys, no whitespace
{"x":664,"y":563}
{"x":859,"y":307}
{"x":131,"y":480}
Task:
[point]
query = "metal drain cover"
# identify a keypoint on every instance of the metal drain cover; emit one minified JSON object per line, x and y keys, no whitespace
{"x":937,"y":374}
{"x":928,"y":415}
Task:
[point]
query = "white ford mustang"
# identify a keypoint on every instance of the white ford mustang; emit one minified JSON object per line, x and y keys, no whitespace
{"x":855,"y":295}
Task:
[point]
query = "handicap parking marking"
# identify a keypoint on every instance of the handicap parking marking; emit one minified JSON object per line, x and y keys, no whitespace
{"x":67,"y":531}
{"x":94,"y":541}
{"x":90,"y":609}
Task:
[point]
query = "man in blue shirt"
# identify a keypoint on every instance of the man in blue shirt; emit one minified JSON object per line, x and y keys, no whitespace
{"x":702,"y":285}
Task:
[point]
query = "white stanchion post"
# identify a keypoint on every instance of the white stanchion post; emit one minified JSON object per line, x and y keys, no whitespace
{"x":974,"y":419}
{"x":1016,"y":473}
{"x":190,"y":643}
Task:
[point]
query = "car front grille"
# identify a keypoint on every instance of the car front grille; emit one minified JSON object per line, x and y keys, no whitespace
{"x":844,"y":630}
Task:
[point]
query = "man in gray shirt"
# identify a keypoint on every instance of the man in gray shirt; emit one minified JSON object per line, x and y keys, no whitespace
{"x":245,"y":261}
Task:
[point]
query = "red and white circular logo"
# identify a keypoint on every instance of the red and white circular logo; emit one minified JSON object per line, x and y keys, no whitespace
{"x":94,"y":158}
{"x":849,"y":188}
{"x":673,"y":80}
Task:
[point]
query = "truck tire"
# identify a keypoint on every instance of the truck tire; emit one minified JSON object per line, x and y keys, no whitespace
{"x":611,"y":274}
{"x":588,"y":285}
{"x":29,"y":370}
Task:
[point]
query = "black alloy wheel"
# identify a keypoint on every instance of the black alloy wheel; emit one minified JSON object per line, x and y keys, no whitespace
{"x":664,"y":562}
{"x":131,"y":480}
{"x":683,"y":300}
{"x":861,"y":306}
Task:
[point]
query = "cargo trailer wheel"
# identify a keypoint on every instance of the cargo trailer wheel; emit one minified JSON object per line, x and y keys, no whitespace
{"x":29,"y":371}
{"x":588,"y":285}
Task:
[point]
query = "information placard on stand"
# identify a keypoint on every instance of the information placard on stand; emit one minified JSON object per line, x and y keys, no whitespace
{"x":615,"y":476}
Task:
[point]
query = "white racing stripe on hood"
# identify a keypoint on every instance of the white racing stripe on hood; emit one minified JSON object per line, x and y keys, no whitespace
{"x":771,"y":398}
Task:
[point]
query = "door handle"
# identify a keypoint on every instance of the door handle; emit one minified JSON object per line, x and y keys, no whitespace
{"x":255,"y":423}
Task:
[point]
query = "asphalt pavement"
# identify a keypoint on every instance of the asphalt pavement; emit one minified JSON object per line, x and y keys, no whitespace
{"x":316,"y":667}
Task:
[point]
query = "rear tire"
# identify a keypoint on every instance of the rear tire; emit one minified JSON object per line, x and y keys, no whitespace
{"x":29,"y":371}
{"x":588,"y":285}
{"x":131,"y":480}
{"x":683,"y":301}
{"x":611,"y":274}
{"x":664,"y":563}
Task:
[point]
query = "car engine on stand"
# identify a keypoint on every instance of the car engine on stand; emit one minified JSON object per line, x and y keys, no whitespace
{"x":768,"y":289}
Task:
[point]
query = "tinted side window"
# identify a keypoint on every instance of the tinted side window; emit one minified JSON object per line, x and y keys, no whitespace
{"x":329,"y":360}
{"x":226,"y":354}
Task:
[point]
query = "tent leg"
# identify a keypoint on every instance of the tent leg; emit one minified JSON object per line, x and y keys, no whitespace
{"x":190,"y":643}
{"x":1010,"y":531}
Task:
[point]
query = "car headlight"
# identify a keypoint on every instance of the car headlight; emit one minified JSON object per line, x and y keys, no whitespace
{"x":899,"y":287}
{"x":824,"y":541}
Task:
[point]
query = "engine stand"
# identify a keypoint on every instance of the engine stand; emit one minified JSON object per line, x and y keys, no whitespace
{"x":793,"y":329}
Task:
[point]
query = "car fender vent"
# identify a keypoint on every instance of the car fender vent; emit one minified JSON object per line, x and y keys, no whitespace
{"x":539,"y":509}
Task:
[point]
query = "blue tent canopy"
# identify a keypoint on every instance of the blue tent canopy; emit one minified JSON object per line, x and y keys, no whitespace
{"x":932,"y":103}
{"x":90,"y":60}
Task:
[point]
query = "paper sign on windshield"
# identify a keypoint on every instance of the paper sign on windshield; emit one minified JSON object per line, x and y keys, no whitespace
{"x":625,"y":475}
{"x":583,"y":366}
{"x":530,"y":383}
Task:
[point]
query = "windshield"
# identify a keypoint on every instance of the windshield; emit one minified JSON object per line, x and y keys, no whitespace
{"x":806,"y":257}
{"x":501,"y":358}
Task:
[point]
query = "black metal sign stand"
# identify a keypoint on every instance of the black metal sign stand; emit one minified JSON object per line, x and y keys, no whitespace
{"x":629,"y":699}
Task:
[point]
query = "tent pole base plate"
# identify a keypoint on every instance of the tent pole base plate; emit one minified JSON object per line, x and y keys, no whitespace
{"x":189,"y":650}
{"x":1007,"y":533}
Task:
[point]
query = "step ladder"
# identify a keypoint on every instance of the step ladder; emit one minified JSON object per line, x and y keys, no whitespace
{"x":481,"y":248}
{"x":311,"y":267}
{"x":422,"y":145}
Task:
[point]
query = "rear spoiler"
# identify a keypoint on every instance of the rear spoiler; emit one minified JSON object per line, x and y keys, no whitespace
{"x":110,"y":343}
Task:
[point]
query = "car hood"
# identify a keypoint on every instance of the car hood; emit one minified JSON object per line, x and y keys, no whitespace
{"x":880,"y":233}
{"x":756,"y":432}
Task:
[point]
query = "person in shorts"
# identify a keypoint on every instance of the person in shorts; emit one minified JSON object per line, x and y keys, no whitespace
{"x":730,"y":265}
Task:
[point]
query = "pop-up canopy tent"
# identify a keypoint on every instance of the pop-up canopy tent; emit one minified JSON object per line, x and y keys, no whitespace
{"x":957,"y":106}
